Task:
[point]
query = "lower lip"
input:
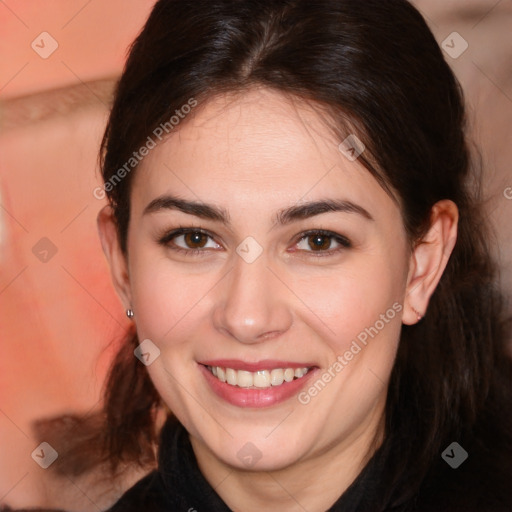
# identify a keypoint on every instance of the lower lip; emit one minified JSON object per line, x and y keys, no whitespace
{"x":263,"y":397}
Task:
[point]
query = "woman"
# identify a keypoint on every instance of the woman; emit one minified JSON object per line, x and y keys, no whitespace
{"x":291,"y":230}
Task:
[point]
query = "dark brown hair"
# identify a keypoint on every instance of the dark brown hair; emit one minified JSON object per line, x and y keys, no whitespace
{"x":375,"y":68}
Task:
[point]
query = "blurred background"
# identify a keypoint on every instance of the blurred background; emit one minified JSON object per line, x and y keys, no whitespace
{"x":60,"y":321}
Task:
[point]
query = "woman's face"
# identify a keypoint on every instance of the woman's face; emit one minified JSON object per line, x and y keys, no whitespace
{"x":265,"y":294}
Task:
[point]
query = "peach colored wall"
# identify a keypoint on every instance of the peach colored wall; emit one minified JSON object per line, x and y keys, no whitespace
{"x":60,"y":319}
{"x":92,"y":38}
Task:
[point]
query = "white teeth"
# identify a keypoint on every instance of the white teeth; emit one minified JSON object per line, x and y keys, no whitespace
{"x":277,"y":377}
{"x":262,"y":379}
{"x":258,"y":379}
{"x":289,"y":373}
{"x":231,"y":377}
{"x":245,"y":379}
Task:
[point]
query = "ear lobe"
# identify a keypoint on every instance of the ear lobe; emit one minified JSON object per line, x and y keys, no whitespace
{"x":107,"y":230}
{"x":429,"y":259}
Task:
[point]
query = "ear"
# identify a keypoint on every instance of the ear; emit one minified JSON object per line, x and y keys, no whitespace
{"x":429,"y":259}
{"x":107,"y":229}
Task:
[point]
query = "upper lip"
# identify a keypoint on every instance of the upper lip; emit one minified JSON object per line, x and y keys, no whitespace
{"x":267,"y":364}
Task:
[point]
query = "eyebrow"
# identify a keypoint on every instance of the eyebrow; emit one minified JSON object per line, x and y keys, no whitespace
{"x":282,"y":217}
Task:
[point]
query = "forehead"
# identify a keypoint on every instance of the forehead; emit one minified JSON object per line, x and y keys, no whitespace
{"x":251,"y":148}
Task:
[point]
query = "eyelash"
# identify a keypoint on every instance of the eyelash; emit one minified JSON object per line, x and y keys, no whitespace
{"x":343,"y":241}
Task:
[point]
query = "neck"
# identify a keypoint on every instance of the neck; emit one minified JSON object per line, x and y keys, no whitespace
{"x":314,"y":483}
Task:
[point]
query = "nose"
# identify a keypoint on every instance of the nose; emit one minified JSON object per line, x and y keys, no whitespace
{"x":252,"y":305}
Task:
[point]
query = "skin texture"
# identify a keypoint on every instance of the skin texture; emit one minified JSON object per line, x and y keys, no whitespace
{"x":252,"y":155}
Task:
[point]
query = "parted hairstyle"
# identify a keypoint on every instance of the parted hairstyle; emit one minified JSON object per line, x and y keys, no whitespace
{"x":374,"y":69}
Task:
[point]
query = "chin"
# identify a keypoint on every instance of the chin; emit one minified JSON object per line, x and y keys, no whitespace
{"x":258,"y":451}
{"x":253,"y":459}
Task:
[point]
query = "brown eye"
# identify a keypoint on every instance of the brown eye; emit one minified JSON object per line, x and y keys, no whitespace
{"x":195,"y":239}
{"x":321,"y":242}
{"x":191,"y":241}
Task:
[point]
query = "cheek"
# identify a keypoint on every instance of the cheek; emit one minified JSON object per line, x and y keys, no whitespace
{"x":349,"y":301}
{"x":165,"y":298}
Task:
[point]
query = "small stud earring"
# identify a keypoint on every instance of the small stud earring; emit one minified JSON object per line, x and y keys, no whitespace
{"x":129,"y":313}
{"x":417,"y":314}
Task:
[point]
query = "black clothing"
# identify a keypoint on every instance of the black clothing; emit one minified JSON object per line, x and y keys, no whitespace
{"x":179,"y":486}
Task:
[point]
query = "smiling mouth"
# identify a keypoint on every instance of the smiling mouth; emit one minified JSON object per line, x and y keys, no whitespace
{"x":259,"y":379}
